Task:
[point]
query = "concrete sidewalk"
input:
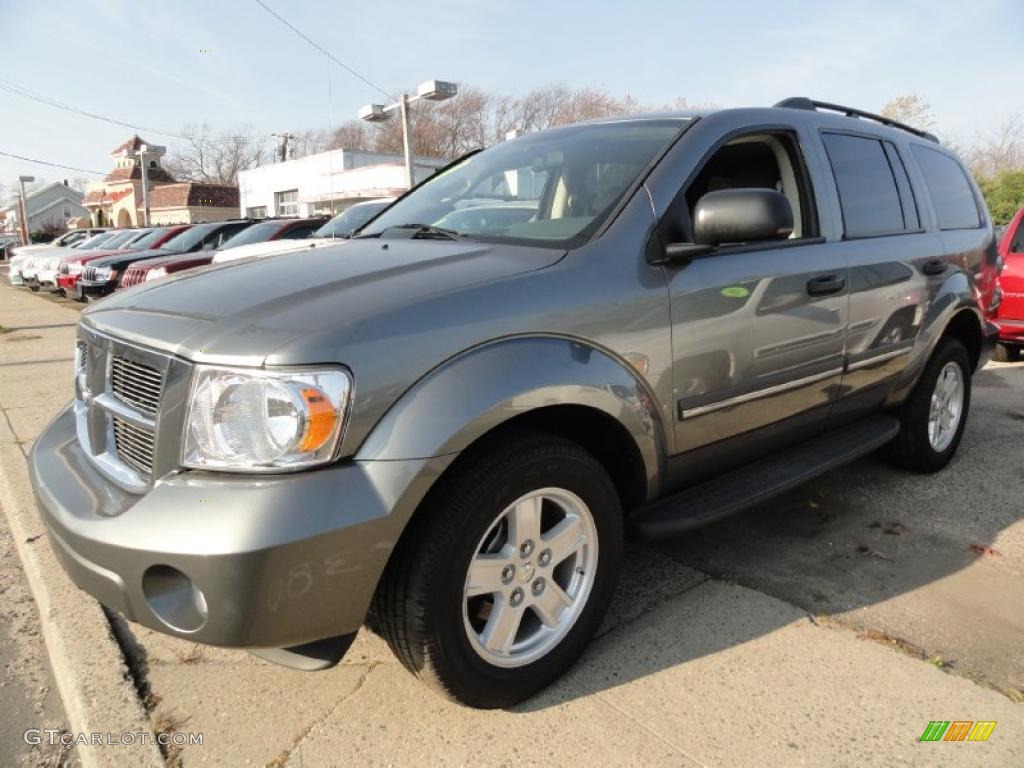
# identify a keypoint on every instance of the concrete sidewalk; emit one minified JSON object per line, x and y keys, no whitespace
{"x":687,"y":670}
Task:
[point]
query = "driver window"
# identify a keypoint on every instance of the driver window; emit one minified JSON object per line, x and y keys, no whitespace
{"x":764,"y":161}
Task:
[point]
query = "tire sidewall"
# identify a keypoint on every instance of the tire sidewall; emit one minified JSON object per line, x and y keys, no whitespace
{"x":472,"y":674}
{"x":950,"y":351}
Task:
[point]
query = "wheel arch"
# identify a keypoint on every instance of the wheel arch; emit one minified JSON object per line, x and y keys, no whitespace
{"x":558,"y":385}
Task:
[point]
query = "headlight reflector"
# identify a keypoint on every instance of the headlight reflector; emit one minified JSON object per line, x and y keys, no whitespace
{"x":250,"y":420}
{"x":156,"y":273}
{"x":75,"y":268}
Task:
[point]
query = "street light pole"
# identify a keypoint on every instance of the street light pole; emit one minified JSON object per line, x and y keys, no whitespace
{"x":405,"y":138}
{"x":431,"y":90}
{"x":24,"y":209}
{"x":145,"y":186}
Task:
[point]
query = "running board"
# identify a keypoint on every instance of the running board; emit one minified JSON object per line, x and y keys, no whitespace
{"x":744,"y":487}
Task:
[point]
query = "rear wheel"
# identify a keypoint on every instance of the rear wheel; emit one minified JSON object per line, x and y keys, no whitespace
{"x":932,"y":419}
{"x":501,"y":583}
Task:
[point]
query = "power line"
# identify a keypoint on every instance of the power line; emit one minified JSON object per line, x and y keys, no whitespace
{"x":323,"y":50}
{"x":28,"y":94}
{"x":54,"y":165}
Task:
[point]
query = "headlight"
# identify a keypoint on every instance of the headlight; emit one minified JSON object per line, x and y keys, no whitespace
{"x":75,"y":268}
{"x":105,"y":274}
{"x":154,"y":274}
{"x":249,"y":420}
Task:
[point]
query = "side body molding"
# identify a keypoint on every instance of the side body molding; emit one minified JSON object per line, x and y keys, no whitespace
{"x":472,"y":393}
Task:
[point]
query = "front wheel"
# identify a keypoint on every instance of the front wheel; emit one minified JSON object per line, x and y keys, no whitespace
{"x":504,"y":578}
{"x":1005,"y":353}
{"x":932,"y":419}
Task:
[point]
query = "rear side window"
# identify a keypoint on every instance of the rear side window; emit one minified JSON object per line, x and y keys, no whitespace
{"x":868,"y":194}
{"x":954,"y":203}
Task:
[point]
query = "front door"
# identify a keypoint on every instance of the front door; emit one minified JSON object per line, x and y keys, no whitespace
{"x":758,"y":330}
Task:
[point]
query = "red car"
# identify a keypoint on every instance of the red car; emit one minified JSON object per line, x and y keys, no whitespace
{"x":71,"y":269}
{"x":263,"y":231}
{"x":1009,"y":314}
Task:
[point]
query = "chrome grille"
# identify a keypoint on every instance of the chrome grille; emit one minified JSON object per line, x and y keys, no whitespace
{"x":133,"y":277}
{"x":119,"y":389}
{"x":89,"y":274}
{"x":136,"y":384}
{"x":134,"y":445}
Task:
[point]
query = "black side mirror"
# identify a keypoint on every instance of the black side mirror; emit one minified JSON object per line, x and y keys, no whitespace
{"x":741,"y":216}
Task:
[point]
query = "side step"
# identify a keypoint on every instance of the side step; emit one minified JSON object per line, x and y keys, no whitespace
{"x":744,"y":487}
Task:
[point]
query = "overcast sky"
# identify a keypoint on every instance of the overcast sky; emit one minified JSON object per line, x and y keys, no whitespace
{"x":146,"y":62}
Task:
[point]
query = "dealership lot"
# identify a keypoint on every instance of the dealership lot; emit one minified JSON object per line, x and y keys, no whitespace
{"x":869,"y":598}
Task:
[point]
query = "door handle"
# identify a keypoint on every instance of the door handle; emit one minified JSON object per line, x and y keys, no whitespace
{"x":825,"y":285}
{"x":935,"y":267}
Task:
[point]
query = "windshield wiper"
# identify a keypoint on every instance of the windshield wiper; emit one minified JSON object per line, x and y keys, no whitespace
{"x":426,"y":231}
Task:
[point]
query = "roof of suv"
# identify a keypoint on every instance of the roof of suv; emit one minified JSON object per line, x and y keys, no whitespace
{"x":820,"y":112}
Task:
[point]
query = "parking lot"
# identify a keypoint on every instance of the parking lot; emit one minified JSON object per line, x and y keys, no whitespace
{"x":830,"y":625}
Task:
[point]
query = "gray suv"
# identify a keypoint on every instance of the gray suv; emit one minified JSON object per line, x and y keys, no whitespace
{"x":448,"y":434}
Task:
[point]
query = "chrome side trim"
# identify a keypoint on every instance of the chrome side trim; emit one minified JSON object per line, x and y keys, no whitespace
{"x":877,"y":359}
{"x":758,"y":394}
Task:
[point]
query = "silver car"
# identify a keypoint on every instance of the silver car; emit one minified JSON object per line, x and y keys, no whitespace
{"x":449,"y":433}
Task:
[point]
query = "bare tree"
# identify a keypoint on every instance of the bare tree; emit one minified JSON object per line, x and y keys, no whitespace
{"x":1002,"y":149}
{"x":910,"y":109}
{"x":217,"y":158}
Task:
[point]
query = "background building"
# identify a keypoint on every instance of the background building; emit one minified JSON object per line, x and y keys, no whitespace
{"x":117,"y":201}
{"x":326,"y":182}
{"x":50,"y":208}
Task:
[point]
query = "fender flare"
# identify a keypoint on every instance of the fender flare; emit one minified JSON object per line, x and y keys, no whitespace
{"x":481,"y":388}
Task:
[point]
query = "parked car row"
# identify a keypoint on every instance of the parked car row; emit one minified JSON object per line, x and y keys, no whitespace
{"x":89,"y":264}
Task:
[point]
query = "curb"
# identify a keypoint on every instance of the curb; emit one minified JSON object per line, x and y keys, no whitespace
{"x":88,"y":667}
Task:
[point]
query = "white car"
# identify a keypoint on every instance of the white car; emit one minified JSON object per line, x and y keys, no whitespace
{"x":337,"y":230}
{"x":22,"y":253}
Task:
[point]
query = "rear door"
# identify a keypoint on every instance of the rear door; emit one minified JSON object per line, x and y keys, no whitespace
{"x":886,"y":246}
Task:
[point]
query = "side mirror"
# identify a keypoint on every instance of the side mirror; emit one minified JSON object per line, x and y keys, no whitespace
{"x":741,"y":216}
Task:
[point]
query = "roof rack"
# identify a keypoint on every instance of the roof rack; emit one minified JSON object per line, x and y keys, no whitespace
{"x":802,"y":102}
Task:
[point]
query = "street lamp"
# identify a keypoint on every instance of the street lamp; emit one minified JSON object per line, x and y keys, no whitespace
{"x":24,"y":209}
{"x":431,"y":90}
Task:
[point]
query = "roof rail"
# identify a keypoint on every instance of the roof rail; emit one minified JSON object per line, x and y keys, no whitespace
{"x":802,"y":102}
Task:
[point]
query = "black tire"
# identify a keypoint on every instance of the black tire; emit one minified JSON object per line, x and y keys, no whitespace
{"x":912,"y":448}
{"x":1006,"y":353}
{"x":419,"y":609}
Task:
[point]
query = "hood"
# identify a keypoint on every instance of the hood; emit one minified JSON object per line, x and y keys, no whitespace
{"x":300,"y":307}
{"x":263,"y":249}
{"x":195,"y":258}
{"x":121,"y":259}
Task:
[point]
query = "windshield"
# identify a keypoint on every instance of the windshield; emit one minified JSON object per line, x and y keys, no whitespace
{"x":351,"y":219}
{"x":119,"y":239}
{"x":571,"y":178}
{"x":147,"y":240}
{"x":96,"y":240}
{"x":132,"y":241}
{"x":257,"y":233}
{"x":190,"y":238}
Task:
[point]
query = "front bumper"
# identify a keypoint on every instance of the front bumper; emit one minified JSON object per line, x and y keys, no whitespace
{"x":69,"y":284}
{"x":1010,"y":331}
{"x":233,"y":560}
{"x":14,"y":276}
{"x":96,"y":290}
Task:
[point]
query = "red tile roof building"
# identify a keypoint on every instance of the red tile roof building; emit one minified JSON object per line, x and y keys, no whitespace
{"x":118,"y":199}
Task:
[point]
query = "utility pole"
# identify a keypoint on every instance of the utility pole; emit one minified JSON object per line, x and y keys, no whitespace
{"x":285,"y":138}
{"x":24,"y":210}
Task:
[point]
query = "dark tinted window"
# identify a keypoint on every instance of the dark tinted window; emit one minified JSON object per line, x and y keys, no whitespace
{"x":950,"y":191}
{"x":910,"y":217}
{"x":867,"y":189}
